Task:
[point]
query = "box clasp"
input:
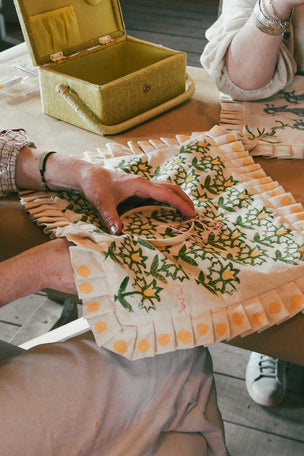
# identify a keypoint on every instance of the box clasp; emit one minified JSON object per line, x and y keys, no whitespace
{"x":57,"y":57}
{"x":107,"y":39}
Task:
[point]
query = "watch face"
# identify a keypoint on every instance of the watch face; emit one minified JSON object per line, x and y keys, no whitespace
{"x":159,"y":225}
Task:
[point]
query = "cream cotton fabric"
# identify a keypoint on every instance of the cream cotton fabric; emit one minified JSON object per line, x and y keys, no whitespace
{"x":272,"y":127}
{"x":141,"y":300}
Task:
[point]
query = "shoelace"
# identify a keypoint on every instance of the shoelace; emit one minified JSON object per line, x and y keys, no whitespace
{"x":270,"y":365}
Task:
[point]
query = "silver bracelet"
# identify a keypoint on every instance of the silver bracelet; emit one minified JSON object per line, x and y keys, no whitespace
{"x":268,"y":24}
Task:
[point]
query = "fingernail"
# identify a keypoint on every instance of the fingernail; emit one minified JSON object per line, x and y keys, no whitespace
{"x":113,"y":229}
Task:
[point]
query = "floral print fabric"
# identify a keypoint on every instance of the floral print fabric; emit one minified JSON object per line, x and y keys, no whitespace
{"x":272,"y":127}
{"x":239,"y":270}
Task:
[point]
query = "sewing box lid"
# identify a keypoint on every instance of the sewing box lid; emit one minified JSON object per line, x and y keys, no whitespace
{"x":71,"y":26}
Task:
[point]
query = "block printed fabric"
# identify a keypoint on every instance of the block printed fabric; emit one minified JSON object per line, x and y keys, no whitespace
{"x":272,"y":127}
{"x":142,"y":299}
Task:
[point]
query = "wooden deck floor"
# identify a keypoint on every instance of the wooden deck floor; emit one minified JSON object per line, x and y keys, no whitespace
{"x":251,"y":430}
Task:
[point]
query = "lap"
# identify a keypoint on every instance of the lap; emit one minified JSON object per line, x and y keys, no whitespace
{"x":76,"y":398}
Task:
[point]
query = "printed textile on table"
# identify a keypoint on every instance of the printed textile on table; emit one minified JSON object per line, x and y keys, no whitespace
{"x":272,"y":127}
{"x":237,"y":268}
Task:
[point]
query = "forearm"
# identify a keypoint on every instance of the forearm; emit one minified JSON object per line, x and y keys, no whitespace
{"x":44,"y":266}
{"x":61,"y":172}
{"x":253,"y":54}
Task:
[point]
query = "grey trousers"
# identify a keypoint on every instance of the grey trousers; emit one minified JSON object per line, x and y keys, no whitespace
{"x":76,"y":398}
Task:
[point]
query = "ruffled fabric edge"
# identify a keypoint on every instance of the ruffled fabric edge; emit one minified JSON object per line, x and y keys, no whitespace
{"x":232,"y":118}
{"x":176,"y":332}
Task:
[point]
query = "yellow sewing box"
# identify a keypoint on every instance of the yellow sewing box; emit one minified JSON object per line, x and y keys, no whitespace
{"x":91,"y":73}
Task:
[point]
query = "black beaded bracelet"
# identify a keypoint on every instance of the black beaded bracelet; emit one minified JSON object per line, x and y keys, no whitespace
{"x":42,"y":164}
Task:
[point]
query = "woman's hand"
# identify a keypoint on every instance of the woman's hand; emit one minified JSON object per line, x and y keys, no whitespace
{"x":105,"y":189}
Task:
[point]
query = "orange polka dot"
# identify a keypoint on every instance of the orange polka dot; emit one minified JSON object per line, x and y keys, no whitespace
{"x":258,"y":318}
{"x":286,"y":200}
{"x":120,"y":346}
{"x":185,"y":336}
{"x":143,"y":345}
{"x":86,"y":287}
{"x":275,"y":307}
{"x":301,"y":249}
{"x":258,"y":175}
{"x":237,"y":318}
{"x":300,"y":216}
{"x":96,"y":425}
{"x":253,"y":168}
{"x":295,"y":209}
{"x":231,"y":137}
{"x":247,"y":162}
{"x":276,"y":193}
{"x":296,"y":301}
{"x":83,"y":271}
{"x":100,"y":326}
{"x":164,"y":339}
{"x":264,"y":180}
{"x":202,"y":328}
{"x":241,"y":154}
{"x":270,"y":186}
{"x":93,"y":306}
{"x":221,"y":328}
{"x":236,"y":147}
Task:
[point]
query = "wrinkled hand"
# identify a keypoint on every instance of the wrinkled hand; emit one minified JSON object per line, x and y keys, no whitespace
{"x":105,"y":189}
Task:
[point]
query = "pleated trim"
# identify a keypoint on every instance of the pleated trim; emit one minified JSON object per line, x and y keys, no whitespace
{"x":271,"y":127}
{"x":186,"y":315}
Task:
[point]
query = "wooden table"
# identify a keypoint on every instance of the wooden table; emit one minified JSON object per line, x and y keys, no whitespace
{"x":17,"y":232}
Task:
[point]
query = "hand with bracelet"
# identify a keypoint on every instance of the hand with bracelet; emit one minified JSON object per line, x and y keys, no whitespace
{"x":48,"y":265}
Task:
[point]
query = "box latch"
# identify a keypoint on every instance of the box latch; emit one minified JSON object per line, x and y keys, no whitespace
{"x":104,"y":40}
{"x":57,"y":57}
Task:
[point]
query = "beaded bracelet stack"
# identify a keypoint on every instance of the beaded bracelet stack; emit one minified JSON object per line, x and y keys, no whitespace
{"x":268,"y":22}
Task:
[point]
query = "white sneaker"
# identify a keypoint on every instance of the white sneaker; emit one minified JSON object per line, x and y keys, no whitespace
{"x":266,"y":379}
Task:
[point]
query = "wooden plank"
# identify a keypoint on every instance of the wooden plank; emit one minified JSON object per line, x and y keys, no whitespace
{"x":243,"y":441}
{"x":232,"y":361}
{"x":39,"y":322}
{"x":18,"y":311}
{"x":238,"y":408}
{"x":229,"y":360}
{"x":7,"y":331}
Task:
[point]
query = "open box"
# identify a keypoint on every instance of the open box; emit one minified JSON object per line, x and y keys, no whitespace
{"x":91,"y":73}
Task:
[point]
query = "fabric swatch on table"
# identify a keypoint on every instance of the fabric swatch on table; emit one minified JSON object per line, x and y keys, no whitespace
{"x":273,"y":127}
{"x":141,"y":299}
